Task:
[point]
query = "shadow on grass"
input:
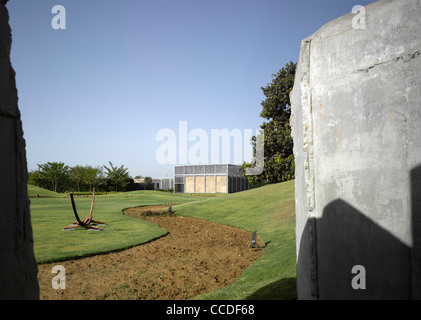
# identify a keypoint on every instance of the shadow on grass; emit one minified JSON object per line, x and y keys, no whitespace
{"x":283,"y":289}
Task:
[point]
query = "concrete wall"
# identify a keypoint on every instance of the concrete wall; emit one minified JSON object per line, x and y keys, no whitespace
{"x":18,"y":268}
{"x":356,"y":118}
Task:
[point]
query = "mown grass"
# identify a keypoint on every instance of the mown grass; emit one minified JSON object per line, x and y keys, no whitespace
{"x":34,"y":191}
{"x":50,"y":215}
{"x":271,"y":211}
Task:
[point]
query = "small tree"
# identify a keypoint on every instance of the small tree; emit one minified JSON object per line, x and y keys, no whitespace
{"x":54,"y":173}
{"x":75,"y":174}
{"x":117,"y":176}
{"x":91,"y":175}
{"x":147,"y":182}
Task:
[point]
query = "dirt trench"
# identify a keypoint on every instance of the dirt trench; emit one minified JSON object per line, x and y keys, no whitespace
{"x":195,"y":257}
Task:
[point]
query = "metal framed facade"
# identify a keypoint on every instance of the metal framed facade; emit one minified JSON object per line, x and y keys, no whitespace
{"x":163,"y":183}
{"x":209,"y":178}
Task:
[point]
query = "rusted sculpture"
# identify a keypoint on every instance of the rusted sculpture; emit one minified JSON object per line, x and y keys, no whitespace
{"x":88,"y":220}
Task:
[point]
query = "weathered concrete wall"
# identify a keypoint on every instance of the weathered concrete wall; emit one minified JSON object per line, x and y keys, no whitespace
{"x":356,"y":117}
{"x":18,"y":268}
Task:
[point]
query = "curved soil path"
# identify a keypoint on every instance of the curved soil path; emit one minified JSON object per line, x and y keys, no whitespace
{"x":195,"y":257}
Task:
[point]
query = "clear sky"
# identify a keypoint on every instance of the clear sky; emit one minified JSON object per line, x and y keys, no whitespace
{"x":101,"y":89}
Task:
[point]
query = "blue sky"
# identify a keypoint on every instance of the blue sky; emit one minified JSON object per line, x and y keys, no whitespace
{"x":101,"y":89}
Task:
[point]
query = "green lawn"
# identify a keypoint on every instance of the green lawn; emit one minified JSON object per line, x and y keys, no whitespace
{"x":50,"y":215}
{"x":34,"y":191}
{"x":269,"y":210}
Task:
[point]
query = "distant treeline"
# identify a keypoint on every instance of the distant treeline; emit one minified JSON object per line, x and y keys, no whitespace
{"x":59,"y":177}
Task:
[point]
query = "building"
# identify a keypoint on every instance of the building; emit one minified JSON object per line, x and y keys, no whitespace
{"x":163,"y":183}
{"x":157,"y":183}
{"x":209,"y":178}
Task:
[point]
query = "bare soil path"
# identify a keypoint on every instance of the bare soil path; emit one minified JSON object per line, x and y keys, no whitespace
{"x":195,"y":257}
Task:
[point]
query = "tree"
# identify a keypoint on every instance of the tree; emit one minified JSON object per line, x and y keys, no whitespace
{"x":54,"y":173}
{"x":278,"y":144}
{"x":117,"y":176}
{"x":91,"y":175}
{"x":147,"y":181}
{"x":75,"y":174}
{"x":86,"y":177}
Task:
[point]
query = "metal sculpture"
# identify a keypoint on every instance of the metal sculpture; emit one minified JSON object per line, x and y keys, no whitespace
{"x":88,"y":220}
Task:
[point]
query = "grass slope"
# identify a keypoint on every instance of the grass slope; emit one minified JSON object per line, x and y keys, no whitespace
{"x":270,"y":210}
{"x":34,"y":191}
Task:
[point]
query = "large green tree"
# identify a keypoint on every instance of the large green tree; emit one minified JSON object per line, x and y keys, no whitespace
{"x":278,"y":144}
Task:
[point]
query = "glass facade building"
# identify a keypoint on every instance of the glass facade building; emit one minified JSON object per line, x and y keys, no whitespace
{"x":209,"y":178}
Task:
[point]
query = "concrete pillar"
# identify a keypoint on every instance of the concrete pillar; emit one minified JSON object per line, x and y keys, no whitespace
{"x":356,"y":118}
{"x":18,"y":268}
